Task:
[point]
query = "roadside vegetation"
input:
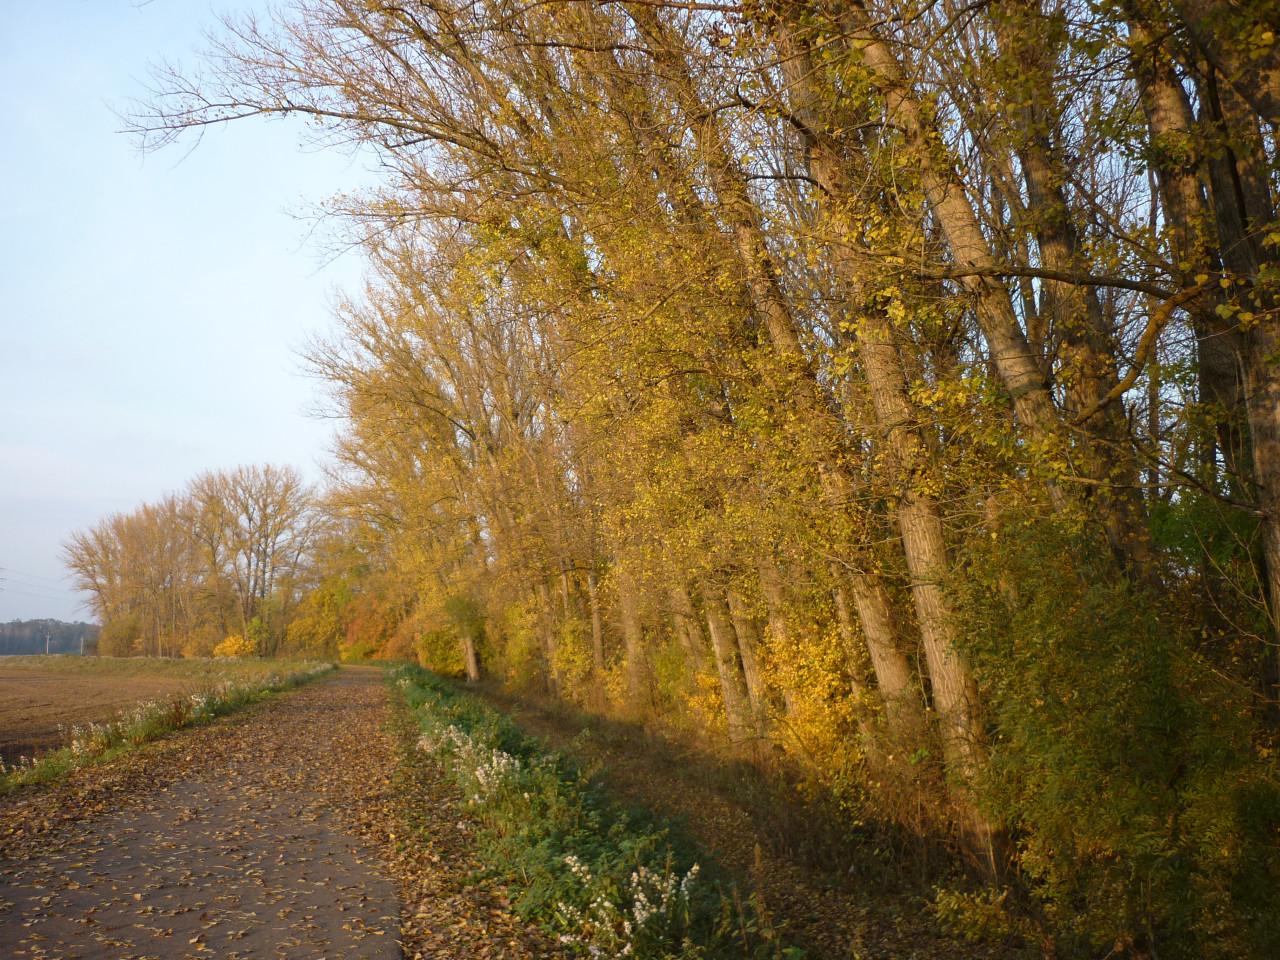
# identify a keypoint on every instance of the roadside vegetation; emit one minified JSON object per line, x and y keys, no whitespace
{"x":223,"y":687}
{"x":611,"y":880}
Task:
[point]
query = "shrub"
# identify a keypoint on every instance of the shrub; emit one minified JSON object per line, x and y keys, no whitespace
{"x":1128,"y":771}
{"x":441,"y":652}
{"x":235,"y":646}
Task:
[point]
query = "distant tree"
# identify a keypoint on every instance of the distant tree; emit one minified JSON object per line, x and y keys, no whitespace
{"x":231,"y":554}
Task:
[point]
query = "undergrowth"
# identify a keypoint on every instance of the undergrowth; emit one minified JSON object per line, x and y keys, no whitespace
{"x":602,"y":879}
{"x":148,"y":721}
{"x":828,"y":828}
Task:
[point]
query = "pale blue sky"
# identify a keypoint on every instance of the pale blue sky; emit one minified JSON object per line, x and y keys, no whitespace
{"x":151,"y":309}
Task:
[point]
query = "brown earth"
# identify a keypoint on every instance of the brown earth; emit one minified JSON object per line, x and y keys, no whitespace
{"x":289,"y":829}
{"x":39,"y":707}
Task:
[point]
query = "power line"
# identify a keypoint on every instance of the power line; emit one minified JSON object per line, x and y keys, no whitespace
{"x":34,"y":586}
{"x":32,"y":576}
{"x":24,"y":582}
{"x":38,"y":596}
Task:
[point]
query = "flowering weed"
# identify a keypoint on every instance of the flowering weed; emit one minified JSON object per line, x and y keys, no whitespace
{"x":605,"y":881}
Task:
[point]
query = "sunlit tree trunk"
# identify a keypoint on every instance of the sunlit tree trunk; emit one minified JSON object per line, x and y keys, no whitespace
{"x":470,"y":659}
{"x":955,"y":694}
{"x":767,"y":296}
{"x":597,"y":637}
{"x":1011,"y":354}
{"x":1089,"y":366}
{"x":733,"y":686}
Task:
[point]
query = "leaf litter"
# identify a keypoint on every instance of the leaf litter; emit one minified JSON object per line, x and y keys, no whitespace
{"x":290,"y":829}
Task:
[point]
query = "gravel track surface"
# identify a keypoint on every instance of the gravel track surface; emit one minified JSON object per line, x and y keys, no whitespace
{"x":290,"y":829}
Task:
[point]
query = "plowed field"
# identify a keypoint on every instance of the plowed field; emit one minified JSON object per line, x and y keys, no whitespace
{"x":40,"y":694}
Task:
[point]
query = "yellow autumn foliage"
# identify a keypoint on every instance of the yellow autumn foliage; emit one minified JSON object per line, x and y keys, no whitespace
{"x":235,"y":646}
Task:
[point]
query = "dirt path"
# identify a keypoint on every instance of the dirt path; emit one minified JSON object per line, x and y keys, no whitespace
{"x":278,"y":832}
{"x":237,"y":852}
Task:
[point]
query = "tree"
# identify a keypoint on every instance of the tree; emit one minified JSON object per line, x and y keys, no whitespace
{"x":229,"y":555}
{"x":818,"y":374}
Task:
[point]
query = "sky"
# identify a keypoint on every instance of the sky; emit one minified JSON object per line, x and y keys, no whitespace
{"x":152,"y":309}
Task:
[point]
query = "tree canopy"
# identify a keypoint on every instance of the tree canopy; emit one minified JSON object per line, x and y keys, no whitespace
{"x":888,"y":389}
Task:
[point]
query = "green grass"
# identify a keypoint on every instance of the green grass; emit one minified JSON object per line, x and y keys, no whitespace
{"x":601,"y":878}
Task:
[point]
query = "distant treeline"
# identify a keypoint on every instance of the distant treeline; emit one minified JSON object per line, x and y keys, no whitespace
{"x":229,"y":556}
{"x":31,"y":636}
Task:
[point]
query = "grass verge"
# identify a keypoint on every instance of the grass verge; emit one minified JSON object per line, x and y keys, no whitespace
{"x":602,"y":879}
{"x":96,"y":742}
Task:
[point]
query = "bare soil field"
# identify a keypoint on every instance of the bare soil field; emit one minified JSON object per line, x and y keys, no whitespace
{"x":39,"y":694}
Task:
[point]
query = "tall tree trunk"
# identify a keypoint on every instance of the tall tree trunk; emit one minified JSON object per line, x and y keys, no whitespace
{"x":1243,"y":206}
{"x":767,"y":297}
{"x":1014,"y":360}
{"x":687,"y":627}
{"x":469,"y":657}
{"x":748,"y":637}
{"x":955,"y":694}
{"x":566,"y":594}
{"x":733,"y":685}
{"x":775,"y":602}
{"x":1252,"y":71}
{"x":903,"y":702}
{"x":1236,"y":365}
{"x":1190,"y":232}
{"x":866,"y":698}
{"x":1090,"y":366}
{"x":633,"y":644}
{"x":597,"y":638}
{"x":547,"y":627}
{"x":1262,"y":393}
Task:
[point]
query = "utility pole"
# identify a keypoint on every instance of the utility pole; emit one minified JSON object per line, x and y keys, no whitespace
{"x":46,"y":644}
